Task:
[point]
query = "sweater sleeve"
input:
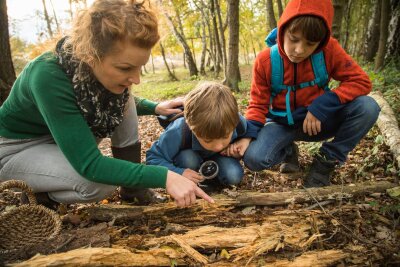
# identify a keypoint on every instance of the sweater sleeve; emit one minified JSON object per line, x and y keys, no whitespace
{"x":353,"y":80}
{"x":52,"y":94}
{"x":144,"y":106}
{"x":260,"y":92}
{"x":167,"y":147}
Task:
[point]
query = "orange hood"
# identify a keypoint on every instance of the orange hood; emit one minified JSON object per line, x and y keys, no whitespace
{"x":295,"y":8}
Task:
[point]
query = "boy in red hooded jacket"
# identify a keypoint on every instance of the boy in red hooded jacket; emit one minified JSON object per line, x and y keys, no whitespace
{"x":344,"y":113}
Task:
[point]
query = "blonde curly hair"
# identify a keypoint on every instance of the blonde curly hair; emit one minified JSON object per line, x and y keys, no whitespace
{"x":96,"y":29}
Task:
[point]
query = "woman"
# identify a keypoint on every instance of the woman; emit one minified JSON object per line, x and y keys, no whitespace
{"x":65,"y":101}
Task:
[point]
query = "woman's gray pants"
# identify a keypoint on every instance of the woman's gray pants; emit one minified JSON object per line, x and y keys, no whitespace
{"x":41,"y":164}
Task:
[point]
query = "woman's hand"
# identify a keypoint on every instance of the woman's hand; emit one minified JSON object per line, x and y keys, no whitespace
{"x":192,"y":175}
{"x":183,"y":190}
{"x":311,"y":125}
{"x":169,"y":107}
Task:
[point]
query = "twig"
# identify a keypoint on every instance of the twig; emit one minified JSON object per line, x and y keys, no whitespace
{"x":323,"y":203}
{"x":311,"y":195}
{"x":64,"y":244}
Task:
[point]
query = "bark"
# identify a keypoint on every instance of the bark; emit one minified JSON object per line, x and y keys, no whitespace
{"x":164,"y":257}
{"x":204,"y":47}
{"x":182,"y":40}
{"x":217,"y":43}
{"x":334,"y":192}
{"x":55,"y":17}
{"x":232,"y":71}
{"x":384,"y":30}
{"x":170,"y":73}
{"x":7,"y":72}
{"x":388,"y":125}
{"x":372,"y":37}
{"x":393,"y":46}
{"x":347,"y":19}
{"x":271,"y":15}
{"x":280,"y":9}
{"x":338,"y":6}
{"x":221,"y":33}
{"x":47,"y":18}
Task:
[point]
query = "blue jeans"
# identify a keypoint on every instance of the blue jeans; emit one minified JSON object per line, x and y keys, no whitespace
{"x":349,"y":125}
{"x":230,"y":170}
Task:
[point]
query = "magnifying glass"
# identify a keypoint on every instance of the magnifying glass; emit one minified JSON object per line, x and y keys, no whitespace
{"x":209,"y":169}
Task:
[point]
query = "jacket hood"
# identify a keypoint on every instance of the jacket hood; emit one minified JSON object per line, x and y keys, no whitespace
{"x":295,"y":8}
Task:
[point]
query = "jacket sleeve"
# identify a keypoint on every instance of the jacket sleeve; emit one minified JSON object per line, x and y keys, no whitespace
{"x":144,"y":106}
{"x":353,"y":80}
{"x":167,"y":147}
{"x":260,"y":92}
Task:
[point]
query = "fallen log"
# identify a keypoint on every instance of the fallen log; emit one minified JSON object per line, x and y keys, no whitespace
{"x":197,"y":213}
{"x":388,"y":125}
{"x":123,"y":257}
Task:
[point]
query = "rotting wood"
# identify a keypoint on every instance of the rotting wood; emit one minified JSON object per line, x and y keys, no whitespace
{"x":244,"y":198}
{"x":106,"y":257}
{"x":388,"y":125}
{"x":160,"y":257}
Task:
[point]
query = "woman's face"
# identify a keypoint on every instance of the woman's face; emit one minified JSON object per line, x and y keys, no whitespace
{"x":120,"y":68}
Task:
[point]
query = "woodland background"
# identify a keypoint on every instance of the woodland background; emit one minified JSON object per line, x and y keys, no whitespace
{"x":355,"y":222}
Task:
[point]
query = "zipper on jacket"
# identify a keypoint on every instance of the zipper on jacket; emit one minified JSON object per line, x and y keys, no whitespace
{"x":295,"y":83}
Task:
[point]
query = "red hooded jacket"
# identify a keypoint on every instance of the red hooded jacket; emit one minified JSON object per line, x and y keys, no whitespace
{"x":340,"y":66}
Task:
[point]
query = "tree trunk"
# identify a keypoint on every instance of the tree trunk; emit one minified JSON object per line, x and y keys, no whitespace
{"x":217,"y":43}
{"x":347,"y":20}
{"x":384,"y":30}
{"x":271,"y":15}
{"x":203,"y":47}
{"x":152,"y":63}
{"x":71,"y":13}
{"x":182,"y":40}
{"x":47,"y":18}
{"x":221,"y":33}
{"x":338,"y":6}
{"x":55,"y":17}
{"x":393,"y":45}
{"x":372,"y":37}
{"x":7,"y":72}
{"x":232,"y":72}
{"x":171,"y":75}
{"x":280,"y":9}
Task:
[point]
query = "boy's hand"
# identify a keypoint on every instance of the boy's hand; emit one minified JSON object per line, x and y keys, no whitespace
{"x":237,"y":149}
{"x":169,"y":107}
{"x":192,"y":175}
{"x":311,"y":125}
{"x":184,"y":191}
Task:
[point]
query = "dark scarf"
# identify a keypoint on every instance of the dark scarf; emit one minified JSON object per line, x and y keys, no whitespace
{"x":102,"y":110}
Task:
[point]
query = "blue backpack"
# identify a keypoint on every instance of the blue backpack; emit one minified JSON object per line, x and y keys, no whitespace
{"x":320,"y":74}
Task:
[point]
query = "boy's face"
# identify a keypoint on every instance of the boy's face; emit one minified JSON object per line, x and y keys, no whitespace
{"x":296,"y":47}
{"x":215,"y":145}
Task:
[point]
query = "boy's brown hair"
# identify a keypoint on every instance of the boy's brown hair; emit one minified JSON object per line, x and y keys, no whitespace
{"x":211,"y":111}
{"x":313,"y":28}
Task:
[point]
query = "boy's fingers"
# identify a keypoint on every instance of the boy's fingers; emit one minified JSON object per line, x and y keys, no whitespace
{"x":203,"y":195}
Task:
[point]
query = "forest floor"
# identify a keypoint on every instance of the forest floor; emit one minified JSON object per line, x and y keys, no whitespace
{"x":362,"y":231}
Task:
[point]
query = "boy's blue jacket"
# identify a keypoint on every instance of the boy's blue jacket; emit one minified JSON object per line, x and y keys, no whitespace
{"x":168,"y":146}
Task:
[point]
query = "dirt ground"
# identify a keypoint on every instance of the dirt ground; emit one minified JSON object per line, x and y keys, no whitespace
{"x":366,"y":230}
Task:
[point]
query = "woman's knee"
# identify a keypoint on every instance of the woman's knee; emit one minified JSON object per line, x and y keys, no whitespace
{"x":93,"y":192}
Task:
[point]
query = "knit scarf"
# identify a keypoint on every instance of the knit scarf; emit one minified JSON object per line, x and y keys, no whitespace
{"x":102,"y":110}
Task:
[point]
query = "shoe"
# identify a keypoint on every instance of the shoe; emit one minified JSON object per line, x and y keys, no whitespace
{"x":211,"y":186}
{"x":320,"y":172}
{"x":43,"y":199}
{"x":141,"y":196}
{"x":291,"y":163}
